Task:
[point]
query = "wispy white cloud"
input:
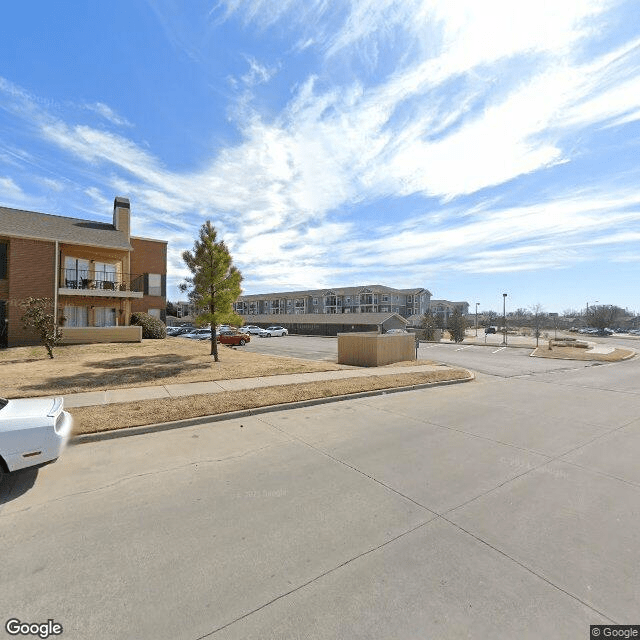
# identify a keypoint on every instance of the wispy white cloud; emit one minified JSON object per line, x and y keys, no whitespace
{"x":106,"y":112}
{"x":257,"y":73}
{"x":9,"y":190}
{"x":480,"y":94}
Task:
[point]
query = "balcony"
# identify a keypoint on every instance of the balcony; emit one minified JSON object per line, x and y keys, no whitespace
{"x":74,"y":282}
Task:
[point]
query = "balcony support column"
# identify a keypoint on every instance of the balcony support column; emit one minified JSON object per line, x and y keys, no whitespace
{"x":56,"y":285}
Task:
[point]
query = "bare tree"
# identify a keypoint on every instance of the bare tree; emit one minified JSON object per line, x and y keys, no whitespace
{"x":537,"y":315}
{"x":602,"y":316}
{"x":490,"y":318}
{"x":38,"y":317}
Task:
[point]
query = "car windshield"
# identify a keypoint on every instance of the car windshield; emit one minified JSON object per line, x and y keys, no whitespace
{"x":3,"y":403}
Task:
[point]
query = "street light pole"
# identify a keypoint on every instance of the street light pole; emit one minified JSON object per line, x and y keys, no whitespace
{"x":477,"y":303}
{"x":504,"y":318}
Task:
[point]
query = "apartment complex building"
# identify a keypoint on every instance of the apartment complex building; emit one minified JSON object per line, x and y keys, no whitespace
{"x":364,"y":299}
{"x":95,"y":273}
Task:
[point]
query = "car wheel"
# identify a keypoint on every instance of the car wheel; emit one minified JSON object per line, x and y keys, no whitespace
{"x":242,"y":343}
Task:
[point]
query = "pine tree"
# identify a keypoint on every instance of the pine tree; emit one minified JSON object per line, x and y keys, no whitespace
{"x":214,"y":284}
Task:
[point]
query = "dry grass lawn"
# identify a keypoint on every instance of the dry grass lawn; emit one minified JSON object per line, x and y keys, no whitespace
{"x":27,"y":371}
{"x":119,"y":416}
{"x":573,"y":353}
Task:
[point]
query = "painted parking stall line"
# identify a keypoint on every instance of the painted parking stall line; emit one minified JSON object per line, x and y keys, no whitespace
{"x":500,"y":349}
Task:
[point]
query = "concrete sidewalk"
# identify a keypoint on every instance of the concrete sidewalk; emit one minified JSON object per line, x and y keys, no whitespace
{"x":134,"y":394}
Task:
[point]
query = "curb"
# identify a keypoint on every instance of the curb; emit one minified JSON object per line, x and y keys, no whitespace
{"x":243,"y":413}
{"x":631,"y":355}
{"x":478,"y":344}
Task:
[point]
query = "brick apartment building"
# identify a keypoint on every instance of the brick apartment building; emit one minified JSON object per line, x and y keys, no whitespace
{"x":95,"y":273}
{"x":361,"y":299}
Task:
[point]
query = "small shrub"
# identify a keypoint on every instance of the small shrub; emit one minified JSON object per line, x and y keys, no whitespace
{"x":151,"y":326}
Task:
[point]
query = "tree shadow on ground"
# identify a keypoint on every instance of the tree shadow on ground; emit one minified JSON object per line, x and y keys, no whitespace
{"x":17,"y":483}
{"x":146,"y":374}
{"x":140,"y":361}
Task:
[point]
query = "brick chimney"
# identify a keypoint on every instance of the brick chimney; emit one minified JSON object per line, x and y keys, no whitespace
{"x":121,"y":211}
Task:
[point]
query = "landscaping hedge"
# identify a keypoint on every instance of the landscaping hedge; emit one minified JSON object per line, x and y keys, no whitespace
{"x":151,"y":327}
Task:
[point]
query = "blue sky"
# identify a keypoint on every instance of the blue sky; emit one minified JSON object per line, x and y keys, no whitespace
{"x":472,"y":148}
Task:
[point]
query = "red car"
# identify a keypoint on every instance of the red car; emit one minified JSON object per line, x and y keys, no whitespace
{"x":226,"y":336}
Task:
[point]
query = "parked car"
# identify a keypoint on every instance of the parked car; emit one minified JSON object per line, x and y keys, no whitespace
{"x":252,"y":330}
{"x":180,"y":331}
{"x":176,"y":331}
{"x":491,"y":330}
{"x":233,"y":337}
{"x":396,"y":331}
{"x":277,"y":330}
{"x":33,"y":432}
{"x":197,"y":334}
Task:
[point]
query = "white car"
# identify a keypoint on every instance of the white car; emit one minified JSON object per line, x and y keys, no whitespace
{"x":277,"y":331}
{"x":252,"y":330}
{"x":33,"y":431}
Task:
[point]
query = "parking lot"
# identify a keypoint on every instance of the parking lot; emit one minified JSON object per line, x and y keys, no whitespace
{"x":503,"y":508}
{"x":492,"y":359}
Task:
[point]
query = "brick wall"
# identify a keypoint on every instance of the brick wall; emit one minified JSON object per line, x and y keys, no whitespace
{"x":31,"y":271}
{"x":149,"y":256}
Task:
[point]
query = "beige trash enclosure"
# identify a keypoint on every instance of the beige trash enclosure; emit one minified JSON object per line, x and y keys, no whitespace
{"x":375,"y":349}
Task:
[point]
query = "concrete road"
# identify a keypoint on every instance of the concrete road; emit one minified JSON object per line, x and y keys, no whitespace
{"x":504,"y":508}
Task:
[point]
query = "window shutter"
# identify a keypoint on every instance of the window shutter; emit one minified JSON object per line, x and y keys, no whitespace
{"x":163,"y":285}
{"x":3,"y":260}
{"x":146,"y":284}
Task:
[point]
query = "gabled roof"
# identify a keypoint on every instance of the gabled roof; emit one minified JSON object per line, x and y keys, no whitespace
{"x":18,"y":223}
{"x":322,"y":318}
{"x":338,"y":291}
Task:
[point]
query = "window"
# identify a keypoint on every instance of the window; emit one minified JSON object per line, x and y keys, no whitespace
{"x":3,"y":260}
{"x":76,"y":316}
{"x":385,"y":298}
{"x":153,"y":312}
{"x":105,"y":275}
{"x":155,"y":284}
{"x":105,"y":317}
{"x":76,"y":273}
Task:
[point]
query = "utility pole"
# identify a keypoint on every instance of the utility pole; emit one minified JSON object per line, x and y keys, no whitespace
{"x":504,"y":319}
{"x":477,"y":303}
